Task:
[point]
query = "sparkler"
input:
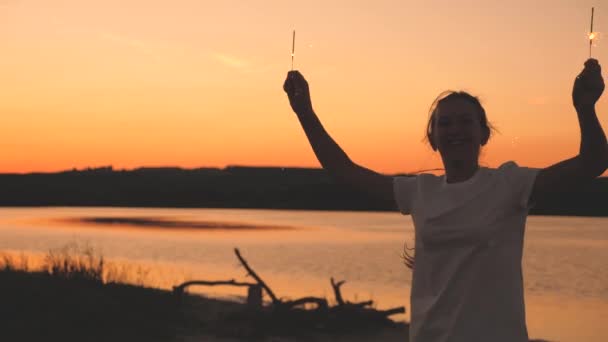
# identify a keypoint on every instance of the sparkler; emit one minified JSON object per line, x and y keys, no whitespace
{"x":591,"y":34}
{"x":293,"y":47}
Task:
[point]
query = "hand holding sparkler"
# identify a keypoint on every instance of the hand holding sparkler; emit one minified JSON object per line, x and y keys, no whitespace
{"x":296,"y":86}
{"x":298,"y":92}
{"x":588,"y":85}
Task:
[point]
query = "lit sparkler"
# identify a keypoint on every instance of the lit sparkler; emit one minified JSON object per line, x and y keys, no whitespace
{"x":592,"y":34}
{"x":293,"y":47}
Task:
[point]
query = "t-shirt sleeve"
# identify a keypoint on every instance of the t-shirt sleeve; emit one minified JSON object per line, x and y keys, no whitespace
{"x":405,"y":189}
{"x":520,"y":181}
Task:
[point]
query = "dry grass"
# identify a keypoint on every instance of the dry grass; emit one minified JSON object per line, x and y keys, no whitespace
{"x":77,"y":261}
{"x":10,"y":263}
{"x":74,"y":261}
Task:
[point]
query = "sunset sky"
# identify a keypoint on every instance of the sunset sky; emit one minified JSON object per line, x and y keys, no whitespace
{"x":198,"y":83}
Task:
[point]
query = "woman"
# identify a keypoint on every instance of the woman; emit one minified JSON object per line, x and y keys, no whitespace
{"x":467,"y":278}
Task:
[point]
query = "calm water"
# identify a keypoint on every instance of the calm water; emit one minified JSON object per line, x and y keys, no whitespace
{"x":565,"y":260}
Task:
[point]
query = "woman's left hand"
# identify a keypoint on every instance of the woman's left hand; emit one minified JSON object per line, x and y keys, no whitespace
{"x":588,"y":85}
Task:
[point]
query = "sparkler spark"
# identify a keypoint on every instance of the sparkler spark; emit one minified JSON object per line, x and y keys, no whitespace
{"x":514,"y":141}
{"x":591,"y":34}
{"x":594,"y":37}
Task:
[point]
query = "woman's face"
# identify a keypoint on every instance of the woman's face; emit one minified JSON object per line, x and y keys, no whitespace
{"x":457,"y":130}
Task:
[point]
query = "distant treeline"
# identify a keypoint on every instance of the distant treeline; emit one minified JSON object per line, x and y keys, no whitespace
{"x":232,"y":187}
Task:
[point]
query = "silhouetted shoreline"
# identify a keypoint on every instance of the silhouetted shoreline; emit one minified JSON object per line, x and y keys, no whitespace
{"x":232,"y":187}
{"x":77,"y":295}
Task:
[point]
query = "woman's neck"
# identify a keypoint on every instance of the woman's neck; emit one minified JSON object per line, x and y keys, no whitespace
{"x":457,"y":171}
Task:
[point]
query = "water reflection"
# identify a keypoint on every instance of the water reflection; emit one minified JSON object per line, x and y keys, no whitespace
{"x":165,"y":223}
{"x":565,"y":274}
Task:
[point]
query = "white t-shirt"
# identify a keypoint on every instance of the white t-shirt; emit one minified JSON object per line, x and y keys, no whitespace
{"x":467,"y":280}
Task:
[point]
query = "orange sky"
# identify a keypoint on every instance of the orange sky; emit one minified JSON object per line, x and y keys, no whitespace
{"x":197,"y":83}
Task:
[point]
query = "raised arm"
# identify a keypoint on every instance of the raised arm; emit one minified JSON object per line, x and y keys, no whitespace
{"x":592,"y":159}
{"x":330,"y":155}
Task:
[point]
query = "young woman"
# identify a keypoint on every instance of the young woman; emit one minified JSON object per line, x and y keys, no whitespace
{"x":467,"y":277}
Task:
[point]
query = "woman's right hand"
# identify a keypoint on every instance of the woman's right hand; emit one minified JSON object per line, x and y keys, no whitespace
{"x":588,"y":85}
{"x":298,"y":93}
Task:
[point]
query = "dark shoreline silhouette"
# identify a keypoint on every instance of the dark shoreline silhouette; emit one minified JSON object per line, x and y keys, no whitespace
{"x":232,"y":187}
{"x":69,"y":299}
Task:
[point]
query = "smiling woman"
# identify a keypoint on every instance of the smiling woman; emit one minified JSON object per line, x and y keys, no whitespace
{"x":458,"y":127}
{"x":467,"y":282}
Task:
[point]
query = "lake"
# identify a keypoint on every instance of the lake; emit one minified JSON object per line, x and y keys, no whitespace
{"x":296,"y":253}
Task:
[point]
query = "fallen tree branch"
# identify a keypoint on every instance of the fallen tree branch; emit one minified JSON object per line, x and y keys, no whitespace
{"x":340,"y":300}
{"x":321,"y":302}
{"x":360,"y":304}
{"x":337,"y":293}
{"x":393,"y":311}
{"x":250,"y":271}
{"x":180,"y":288}
{"x":291,"y":315}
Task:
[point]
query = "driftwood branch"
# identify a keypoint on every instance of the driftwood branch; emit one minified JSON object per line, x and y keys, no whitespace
{"x":361,"y":304}
{"x":340,"y":300}
{"x":289,"y":315}
{"x":181,"y":287}
{"x":393,"y":311}
{"x":320,"y":302}
{"x":337,"y":293}
{"x":254,"y":275}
